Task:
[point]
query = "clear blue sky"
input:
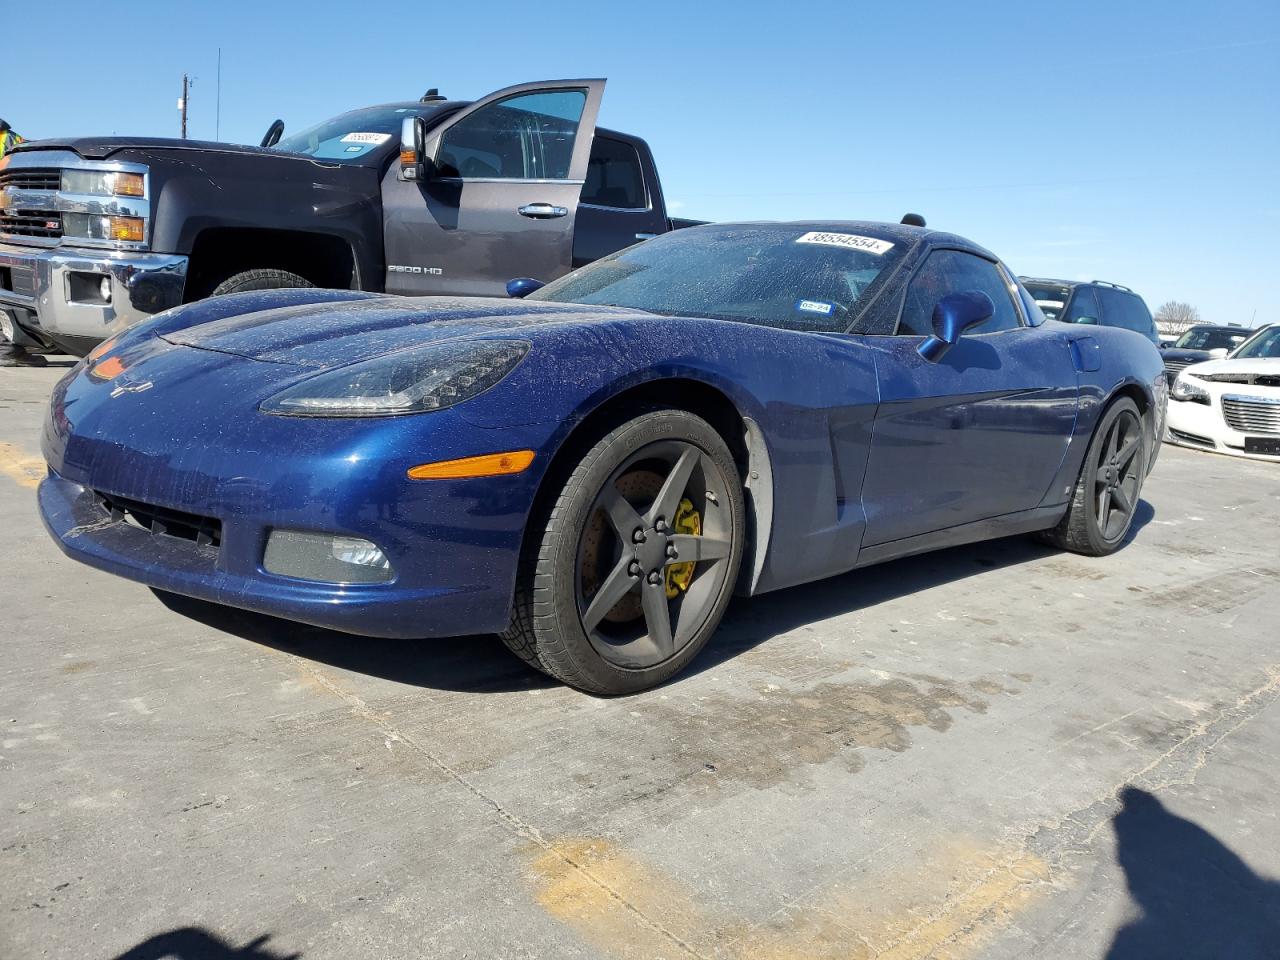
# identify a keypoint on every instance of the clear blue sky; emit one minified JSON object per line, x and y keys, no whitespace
{"x":1133,"y":142}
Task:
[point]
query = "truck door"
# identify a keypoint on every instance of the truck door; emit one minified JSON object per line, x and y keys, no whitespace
{"x":500,"y":199}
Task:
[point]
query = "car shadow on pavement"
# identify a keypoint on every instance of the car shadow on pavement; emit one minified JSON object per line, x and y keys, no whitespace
{"x":751,"y":621}
{"x":196,"y":943}
{"x":1195,"y":896}
{"x":482,"y":664}
{"x":472,"y":664}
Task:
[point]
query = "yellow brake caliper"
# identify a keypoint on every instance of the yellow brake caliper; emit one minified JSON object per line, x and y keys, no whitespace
{"x":680,"y":575}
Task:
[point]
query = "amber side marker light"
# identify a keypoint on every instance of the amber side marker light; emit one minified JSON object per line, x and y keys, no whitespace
{"x":486,"y":465}
{"x":108,"y":369}
{"x":97,"y":352}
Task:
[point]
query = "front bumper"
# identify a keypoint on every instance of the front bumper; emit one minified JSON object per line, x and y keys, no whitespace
{"x":85,"y":531}
{"x":52,"y":294}
{"x":1202,"y":427}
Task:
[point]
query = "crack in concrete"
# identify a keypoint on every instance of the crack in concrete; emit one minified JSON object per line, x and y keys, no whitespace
{"x":516,"y":824}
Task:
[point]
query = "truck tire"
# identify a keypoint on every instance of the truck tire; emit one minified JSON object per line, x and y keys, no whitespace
{"x":260,"y":280}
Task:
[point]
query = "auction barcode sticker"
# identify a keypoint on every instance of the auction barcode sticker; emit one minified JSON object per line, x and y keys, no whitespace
{"x":850,"y":241}
{"x":375,"y":138}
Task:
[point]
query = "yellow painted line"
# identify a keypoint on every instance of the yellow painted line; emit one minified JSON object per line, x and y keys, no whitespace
{"x":627,"y":909}
{"x":20,"y":467}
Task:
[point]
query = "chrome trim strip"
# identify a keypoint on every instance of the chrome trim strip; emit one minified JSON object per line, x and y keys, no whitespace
{"x":1245,"y":398}
{"x":502,"y":180}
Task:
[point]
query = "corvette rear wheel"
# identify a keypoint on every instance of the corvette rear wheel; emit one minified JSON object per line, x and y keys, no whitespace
{"x":636,"y":562}
{"x":1107,"y":493}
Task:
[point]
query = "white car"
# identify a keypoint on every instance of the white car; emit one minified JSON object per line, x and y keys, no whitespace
{"x":1231,"y":406}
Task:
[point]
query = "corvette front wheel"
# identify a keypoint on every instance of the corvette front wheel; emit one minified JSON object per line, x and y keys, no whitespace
{"x":636,"y":561}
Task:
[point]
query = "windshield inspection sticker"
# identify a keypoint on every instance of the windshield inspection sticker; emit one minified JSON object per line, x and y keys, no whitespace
{"x":815,"y":306}
{"x":850,"y":241}
{"x":374,"y":138}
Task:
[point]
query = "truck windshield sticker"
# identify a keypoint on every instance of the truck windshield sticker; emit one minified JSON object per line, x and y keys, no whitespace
{"x":850,"y":241}
{"x":815,"y":306}
{"x":376,"y":139}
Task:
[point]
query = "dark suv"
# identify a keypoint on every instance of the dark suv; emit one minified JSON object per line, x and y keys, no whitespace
{"x":1095,"y":302}
{"x":1200,"y":343}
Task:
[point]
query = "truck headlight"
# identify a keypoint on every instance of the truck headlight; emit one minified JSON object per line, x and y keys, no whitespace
{"x":103,"y":183}
{"x":1188,"y":392}
{"x":413,"y":380}
{"x":86,"y":226}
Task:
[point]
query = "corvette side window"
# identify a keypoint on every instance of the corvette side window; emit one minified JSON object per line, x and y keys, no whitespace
{"x":951,"y":271}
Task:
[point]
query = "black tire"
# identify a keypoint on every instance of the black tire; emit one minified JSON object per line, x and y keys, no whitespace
{"x":1091,"y":525}
{"x":262,"y":279}
{"x":580,"y":537}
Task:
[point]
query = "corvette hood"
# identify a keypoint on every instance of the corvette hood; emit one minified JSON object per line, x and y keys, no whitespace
{"x":323,"y":335}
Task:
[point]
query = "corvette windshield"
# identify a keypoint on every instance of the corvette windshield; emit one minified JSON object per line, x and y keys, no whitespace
{"x":1263,"y":344}
{"x":778,"y":276}
{"x":352,"y":136}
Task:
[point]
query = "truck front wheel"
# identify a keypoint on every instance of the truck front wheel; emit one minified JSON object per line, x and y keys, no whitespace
{"x":260,"y":280}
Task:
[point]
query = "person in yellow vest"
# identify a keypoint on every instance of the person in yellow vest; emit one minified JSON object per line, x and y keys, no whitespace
{"x":8,"y":138}
{"x":13,"y":354}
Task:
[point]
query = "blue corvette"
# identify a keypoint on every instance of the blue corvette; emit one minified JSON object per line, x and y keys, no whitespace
{"x":594,"y":469}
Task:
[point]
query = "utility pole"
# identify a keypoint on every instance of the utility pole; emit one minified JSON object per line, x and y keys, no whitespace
{"x":182,"y":105}
{"x":217,"y":121}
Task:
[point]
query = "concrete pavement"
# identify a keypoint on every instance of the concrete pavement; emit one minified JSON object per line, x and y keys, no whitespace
{"x":998,"y":751}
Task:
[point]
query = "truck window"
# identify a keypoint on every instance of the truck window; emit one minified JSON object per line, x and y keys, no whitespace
{"x":614,"y":177}
{"x":526,"y":137}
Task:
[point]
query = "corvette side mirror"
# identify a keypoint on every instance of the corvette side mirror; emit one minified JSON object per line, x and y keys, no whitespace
{"x":954,"y":314}
{"x":522,"y":287}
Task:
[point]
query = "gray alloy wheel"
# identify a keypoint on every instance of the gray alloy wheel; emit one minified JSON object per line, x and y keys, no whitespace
{"x":637,"y":560}
{"x":1109,"y":488}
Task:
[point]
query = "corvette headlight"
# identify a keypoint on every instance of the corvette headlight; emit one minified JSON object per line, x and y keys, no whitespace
{"x":1188,"y":392}
{"x":415,"y":380}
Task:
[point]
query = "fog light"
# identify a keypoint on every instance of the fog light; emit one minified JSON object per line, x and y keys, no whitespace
{"x":105,"y":289}
{"x":325,"y":557}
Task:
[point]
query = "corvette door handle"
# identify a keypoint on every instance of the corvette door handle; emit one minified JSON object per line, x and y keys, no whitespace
{"x":542,"y":211}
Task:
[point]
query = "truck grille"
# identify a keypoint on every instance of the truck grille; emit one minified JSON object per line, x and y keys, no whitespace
{"x":31,"y":223}
{"x":161,"y":521}
{"x":1251,"y":415}
{"x":31,"y":179}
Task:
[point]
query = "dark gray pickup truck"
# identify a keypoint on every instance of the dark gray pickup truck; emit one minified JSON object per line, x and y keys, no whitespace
{"x":434,"y":196}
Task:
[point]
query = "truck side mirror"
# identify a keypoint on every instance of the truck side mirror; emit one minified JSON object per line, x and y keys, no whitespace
{"x":522,"y":287}
{"x":413,"y":160}
{"x":273,"y":134}
{"x":954,"y":314}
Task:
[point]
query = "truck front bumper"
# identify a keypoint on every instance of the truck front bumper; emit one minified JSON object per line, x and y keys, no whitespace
{"x":55,"y":297}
